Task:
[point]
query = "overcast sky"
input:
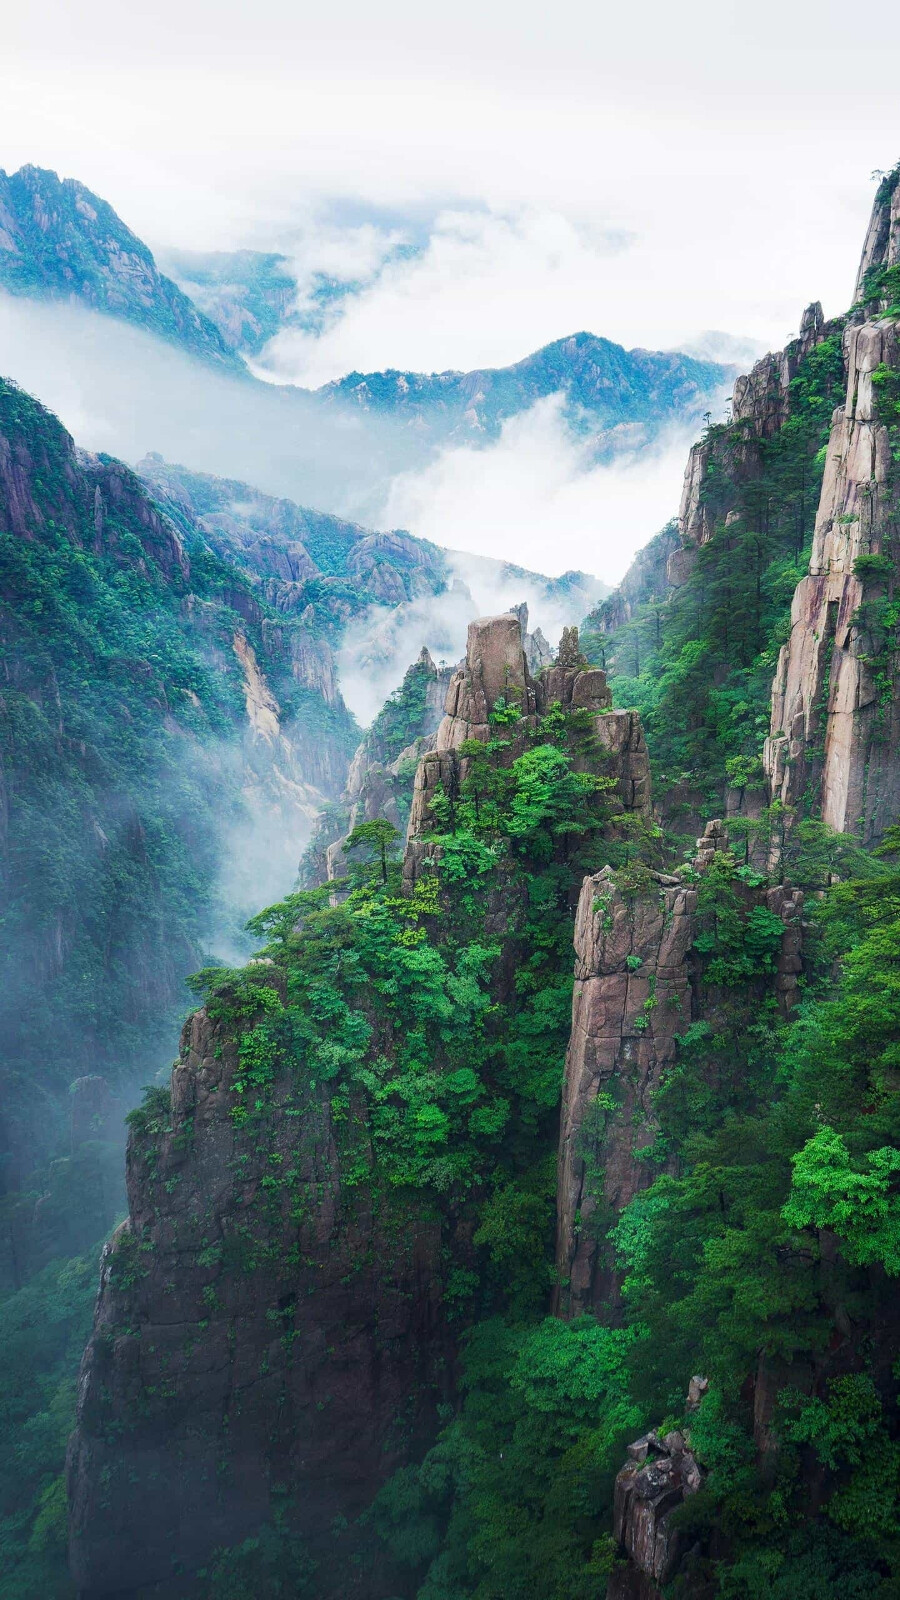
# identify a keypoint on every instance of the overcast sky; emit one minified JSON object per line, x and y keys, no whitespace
{"x":647,"y":172}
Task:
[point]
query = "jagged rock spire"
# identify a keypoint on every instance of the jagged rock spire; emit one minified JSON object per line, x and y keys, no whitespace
{"x":882,"y":242}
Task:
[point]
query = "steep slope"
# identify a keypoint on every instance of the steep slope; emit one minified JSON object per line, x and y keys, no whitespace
{"x":692,"y":635}
{"x":60,"y":241}
{"x":167,"y":741}
{"x":384,"y":1081}
{"x":316,"y":1225}
{"x":299,"y":555}
{"x":247,"y":294}
{"x":835,"y":704}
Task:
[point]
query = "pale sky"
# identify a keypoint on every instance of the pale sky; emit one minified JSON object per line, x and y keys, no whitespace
{"x":645,"y":172}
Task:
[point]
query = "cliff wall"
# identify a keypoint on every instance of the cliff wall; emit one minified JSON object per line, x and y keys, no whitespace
{"x":835,"y":728}
{"x":639,"y":984}
{"x":260,"y":1326}
{"x":760,"y":406}
{"x":271,"y":1321}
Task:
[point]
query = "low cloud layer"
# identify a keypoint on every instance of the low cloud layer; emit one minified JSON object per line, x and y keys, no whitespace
{"x":536,"y":497}
{"x":120,"y":390}
{"x":482,"y":290}
{"x":533,"y":498}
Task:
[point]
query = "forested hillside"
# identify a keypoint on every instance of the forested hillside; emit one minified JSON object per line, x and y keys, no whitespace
{"x":141,"y":741}
{"x":451,"y":1273}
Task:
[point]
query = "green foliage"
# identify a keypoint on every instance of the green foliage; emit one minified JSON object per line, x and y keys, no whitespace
{"x":395,"y":1001}
{"x":271,"y":1565}
{"x":513,"y":1500}
{"x":782,"y":1208}
{"x":862,"y":1206}
{"x":379,"y":837}
{"x":698,"y":665}
{"x":742,"y":942}
{"x":43,"y":1329}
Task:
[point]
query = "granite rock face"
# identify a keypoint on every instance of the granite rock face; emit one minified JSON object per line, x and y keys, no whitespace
{"x":835,"y":725}
{"x":660,"y":1474}
{"x":638,"y":985}
{"x":496,"y":670}
{"x":760,"y":407}
{"x":251,"y":1337}
{"x":881,"y":247}
{"x":632,"y":996}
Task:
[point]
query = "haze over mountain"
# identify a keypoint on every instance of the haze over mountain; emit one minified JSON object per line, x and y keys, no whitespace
{"x":90,"y":324}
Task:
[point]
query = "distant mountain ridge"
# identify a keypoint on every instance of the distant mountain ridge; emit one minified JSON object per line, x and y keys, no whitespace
{"x":300,"y":556}
{"x":58,"y":240}
{"x":603,"y":384}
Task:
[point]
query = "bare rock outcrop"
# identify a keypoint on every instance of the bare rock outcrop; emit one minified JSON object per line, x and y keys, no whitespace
{"x":835,"y":723}
{"x":760,"y":406}
{"x":660,"y":1474}
{"x":632,"y":997}
{"x":882,"y":242}
{"x":496,"y":671}
{"x":638,"y":984}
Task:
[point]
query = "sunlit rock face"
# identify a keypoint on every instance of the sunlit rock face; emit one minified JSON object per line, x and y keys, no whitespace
{"x":835,"y":728}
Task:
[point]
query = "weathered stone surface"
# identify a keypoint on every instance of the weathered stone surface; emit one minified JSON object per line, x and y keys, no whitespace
{"x":658,"y":1477}
{"x":249,"y":1334}
{"x":835,"y":733}
{"x":760,"y":406}
{"x":638,"y":984}
{"x":496,"y":667}
{"x":632,"y":996}
{"x":882,"y":242}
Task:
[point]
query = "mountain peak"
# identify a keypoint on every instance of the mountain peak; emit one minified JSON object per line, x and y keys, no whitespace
{"x":60,"y":241}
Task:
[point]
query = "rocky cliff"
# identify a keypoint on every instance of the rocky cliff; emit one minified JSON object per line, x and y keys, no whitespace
{"x":271,"y":1309}
{"x":262,"y":1328}
{"x":835,"y":731}
{"x":760,"y":406}
{"x":297,"y":556}
{"x":166,"y":741}
{"x":496,"y":671}
{"x":640,"y":982}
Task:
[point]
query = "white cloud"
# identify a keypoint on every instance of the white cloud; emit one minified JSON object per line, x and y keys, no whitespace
{"x":708,"y":132}
{"x":485,"y":291}
{"x":536,"y":497}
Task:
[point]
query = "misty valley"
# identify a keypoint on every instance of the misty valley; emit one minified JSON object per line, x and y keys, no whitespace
{"x":450,"y":1078}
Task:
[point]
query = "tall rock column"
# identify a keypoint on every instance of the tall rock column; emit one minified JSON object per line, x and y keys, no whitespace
{"x":632,"y":996}
{"x":835,"y":726}
{"x":639,"y":982}
{"x":496,"y":668}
